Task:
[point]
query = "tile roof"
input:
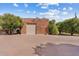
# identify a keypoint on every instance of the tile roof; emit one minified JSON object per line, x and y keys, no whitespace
{"x":32,"y":20}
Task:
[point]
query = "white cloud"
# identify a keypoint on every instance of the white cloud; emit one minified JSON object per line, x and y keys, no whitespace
{"x":51,"y":14}
{"x":16,"y":5}
{"x":54,"y":14}
{"x":64,"y":8}
{"x":26,"y":5}
{"x":45,"y":5}
{"x":34,"y":12}
{"x":27,"y":11}
{"x":57,"y":4}
{"x":70,"y":8}
{"x":65,"y":13}
{"x":42,"y":4}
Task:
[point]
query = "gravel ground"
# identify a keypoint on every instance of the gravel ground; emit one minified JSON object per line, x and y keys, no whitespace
{"x":24,"y":45}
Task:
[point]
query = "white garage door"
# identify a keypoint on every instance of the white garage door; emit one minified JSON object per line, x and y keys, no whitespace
{"x":31,"y":28}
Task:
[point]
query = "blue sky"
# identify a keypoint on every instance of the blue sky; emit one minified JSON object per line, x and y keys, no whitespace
{"x":58,"y":11}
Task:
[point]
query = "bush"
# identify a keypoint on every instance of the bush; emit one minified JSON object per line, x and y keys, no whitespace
{"x":53,"y":30}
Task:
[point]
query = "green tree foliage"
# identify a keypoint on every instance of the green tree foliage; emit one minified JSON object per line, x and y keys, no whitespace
{"x":60,"y":26}
{"x":72,"y":25}
{"x":53,"y":28}
{"x":1,"y":21}
{"x":11,"y":22}
{"x":69,"y":26}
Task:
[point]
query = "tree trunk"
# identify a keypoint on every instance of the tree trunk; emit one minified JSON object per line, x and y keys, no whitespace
{"x":72,"y":34}
{"x":72,"y":31}
{"x":10,"y":32}
{"x":7,"y":32}
{"x":59,"y":32}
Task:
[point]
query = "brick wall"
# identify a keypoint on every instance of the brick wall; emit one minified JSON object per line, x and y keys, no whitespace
{"x":41,"y":25}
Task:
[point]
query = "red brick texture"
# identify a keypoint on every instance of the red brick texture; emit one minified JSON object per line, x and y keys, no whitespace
{"x":41,"y":25}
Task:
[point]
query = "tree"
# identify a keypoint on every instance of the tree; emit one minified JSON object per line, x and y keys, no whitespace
{"x":1,"y":21}
{"x":11,"y":22}
{"x":71,"y":25}
{"x":60,"y":26}
{"x":52,"y":27}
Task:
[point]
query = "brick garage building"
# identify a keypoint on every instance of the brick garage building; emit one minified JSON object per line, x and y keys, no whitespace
{"x":35,"y":26}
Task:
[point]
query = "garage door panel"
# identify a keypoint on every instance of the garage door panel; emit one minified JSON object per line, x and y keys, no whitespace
{"x":31,"y":29}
